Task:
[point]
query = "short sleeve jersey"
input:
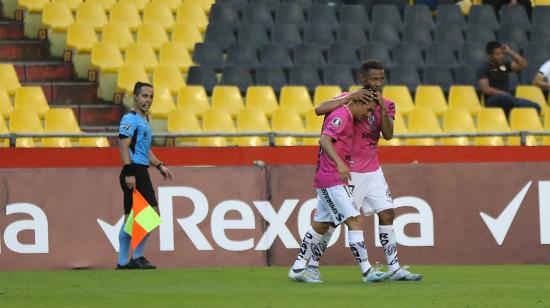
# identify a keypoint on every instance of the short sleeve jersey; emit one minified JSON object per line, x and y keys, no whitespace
{"x":339,"y":126}
{"x":498,"y":75}
{"x":136,"y":127}
{"x":545,"y":70}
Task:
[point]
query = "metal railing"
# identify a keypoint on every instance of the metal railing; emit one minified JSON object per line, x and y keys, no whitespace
{"x":272,"y":135}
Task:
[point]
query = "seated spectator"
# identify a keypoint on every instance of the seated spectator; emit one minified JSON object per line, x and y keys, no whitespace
{"x":493,"y":78}
{"x":542,"y":78}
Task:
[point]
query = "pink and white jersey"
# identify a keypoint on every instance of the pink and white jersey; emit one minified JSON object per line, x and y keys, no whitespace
{"x":339,"y":126}
{"x":364,"y":156}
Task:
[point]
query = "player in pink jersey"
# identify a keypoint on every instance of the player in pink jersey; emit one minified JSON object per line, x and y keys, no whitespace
{"x":335,"y":203}
{"x":370,"y":189}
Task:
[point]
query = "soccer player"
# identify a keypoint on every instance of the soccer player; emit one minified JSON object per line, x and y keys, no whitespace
{"x":335,"y":204}
{"x":135,"y":138}
{"x":370,"y":190}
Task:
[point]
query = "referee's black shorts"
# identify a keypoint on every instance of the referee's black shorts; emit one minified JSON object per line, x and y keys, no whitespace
{"x":143,"y":185}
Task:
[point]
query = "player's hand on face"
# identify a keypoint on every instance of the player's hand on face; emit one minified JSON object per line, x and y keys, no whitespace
{"x":505,"y":48}
{"x":166,"y":173}
{"x":361,"y":95}
{"x":130,"y":182}
{"x":343,"y":170}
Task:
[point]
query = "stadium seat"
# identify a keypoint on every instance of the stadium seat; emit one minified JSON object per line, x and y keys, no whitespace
{"x":473,"y":54}
{"x":377,"y":51}
{"x":251,"y":120}
{"x":431,"y":98}
{"x":405,"y":75}
{"x":162,"y":104}
{"x":491,"y":120}
{"x":205,"y":5}
{"x":227,"y":98}
{"x":4,"y":142}
{"x":417,"y":35}
{"x":106,"y":5}
{"x":480,"y":34}
{"x":512,"y":34}
{"x":96,"y":142}
{"x":287,"y":121}
{"x":528,"y":74}
{"x":208,"y":55}
{"x":344,"y":54}
{"x":385,"y":34}
{"x":183,"y":121}
{"x":422,"y":121}
{"x":186,"y":33}
{"x":290,"y":13}
{"x":464,"y":97}
{"x":236,"y":76}
{"x":33,"y":6}
{"x":126,"y":13}
{"x":152,"y":34}
{"x":192,"y":13}
{"x":139,"y":4}
{"x":339,"y":75}
{"x":320,"y":34}
{"x":242,"y":54}
{"x":271,"y":76}
{"x":304,"y":4}
{"x":296,"y":98}
{"x":5,"y":105}
{"x":449,"y":36}
{"x":275,"y":55}
{"x":218,"y":121}
{"x":73,"y":4}
{"x":525,"y":119}
{"x":351,"y":34}
{"x":514,"y":15}
{"x":262,"y":98}
{"x":541,"y":16}
{"x":238,"y":5}
{"x":457,"y":120}
{"x":159,"y":13}
{"x":408,"y":54}
{"x":534,"y":94}
{"x":224,"y":14}
{"x":106,"y":56}
{"x":540,"y":34}
{"x":118,"y":34}
{"x":441,"y":55}
{"x":354,"y":15}
{"x":56,"y":142}
{"x":401,"y":96}
{"x":258,"y":14}
{"x":202,"y":76}
{"x":483,"y":15}
{"x":81,"y":37}
{"x":450,"y":15}
{"x":168,"y":76}
{"x":175,"y":54}
{"x":466,"y":75}
{"x":303,"y":75}
{"x":438,"y":75}
{"x":386,"y":14}
{"x":128,"y":75}
{"x":59,"y":120}
{"x":399,"y":127}
{"x":546,"y":139}
{"x":308,"y":54}
{"x":537,"y":53}
{"x":193,"y":98}
{"x":24,"y":121}
{"x":253,"y":34}
{"x":314,"y":124}
{"x":322,"y":14}
{"x":325,"y":93}
{"x":10,"y":81}
{"x":141,"y":54}
{"x":286,"y":34}
{"x":32,"y":99}
{"x":91,"y":13}
{"x":57,"y":16}
{"x":418,"y":15}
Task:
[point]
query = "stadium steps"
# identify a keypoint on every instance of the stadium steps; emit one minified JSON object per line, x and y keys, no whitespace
{"x":10,"y":30}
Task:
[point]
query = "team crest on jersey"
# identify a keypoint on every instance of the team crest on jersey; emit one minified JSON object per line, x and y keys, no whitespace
{"x":336,"y":122}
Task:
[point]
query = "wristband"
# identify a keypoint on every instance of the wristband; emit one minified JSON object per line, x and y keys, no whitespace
{"x":128,"y":170}
{"x":159,"y":165}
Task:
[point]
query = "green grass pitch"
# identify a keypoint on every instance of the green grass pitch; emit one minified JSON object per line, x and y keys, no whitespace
{"x":442,"y":286}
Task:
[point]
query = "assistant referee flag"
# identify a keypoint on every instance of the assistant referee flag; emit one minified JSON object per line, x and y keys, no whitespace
{"x":142,"y":219}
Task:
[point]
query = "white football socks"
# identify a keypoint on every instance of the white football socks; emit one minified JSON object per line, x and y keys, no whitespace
{"x":359,"y":250}
{"x":387,"y":239}
{"x":308,"y":248}
{"x":323,"y":243}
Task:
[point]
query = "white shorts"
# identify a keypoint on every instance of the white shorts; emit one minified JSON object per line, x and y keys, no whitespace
{"x":371,"y":192}
{"x":335,"y":205}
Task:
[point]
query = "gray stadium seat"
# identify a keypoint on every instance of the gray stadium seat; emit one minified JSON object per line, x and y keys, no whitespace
{"x":202,"y":76}
{"x":450,"y":15}
{"x":273,"y":76}
{"x":237,"y":76}
{"x":483,"y":15}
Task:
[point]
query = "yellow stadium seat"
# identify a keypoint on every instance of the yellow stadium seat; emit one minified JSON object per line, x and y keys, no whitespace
{"x":431,"y":97}
{"x":457,"y":120}
{"x":204,"y":4}
{"x":32,"y":99}
{"x":141,"y":54}
{"x":464,"y":97}
{"x":106,"y":56}
{"x":106,"y":5}
{"x":10,"y":81}
{"x":314,"y":124}
{"x":262,"y":98}
{"x":287,"y":121}
{"x":168,"y":77}
{"x":541,"y":2}
{"x":227,"y":98}
{"x":422,"y":120}
{"x":192,"y":13}
{"x":25,"y":121}
{"x":61,"y":120}
{"x":73,"y":4}
{"x":118,"y":34}
{"x":163,"y":103}
{"x":175,"y":54}
{"x":193,"y":98}
{"x":96,"y":142}
{"x":399,"y":127}
{"x":546,"y":139}
{"x":172,"y":4}
{"x":57,"y":16}
{"x":325,"y":93}
{"x":128,"y":75}
{"x":491,"y":120}
{"x":139,"y":4}
{"x":296,"y":98}
{"x":216,"y":121}
{"x":183,"y":121}
{"x":159,"y":13}
{"x":534,"y":94}
{"x":33,"y":6}
{"x":152,"y":34}
{"x":126,"y":13}
{"x":252,"y":120}
{"x":188,"y":34}
{"x":5,"y":105}
{"x":81,"y":37}
{"x":91,"y":13}
{"x":4,"y":142}
{"x":524,"y":119}
{"x":401,"y":96}
{"x":56,"y":142}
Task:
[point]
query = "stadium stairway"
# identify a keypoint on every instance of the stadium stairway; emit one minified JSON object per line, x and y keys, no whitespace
{"x":35,"y":67}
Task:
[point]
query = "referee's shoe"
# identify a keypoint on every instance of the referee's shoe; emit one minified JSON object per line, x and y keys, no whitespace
{"x":142,"y":263}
